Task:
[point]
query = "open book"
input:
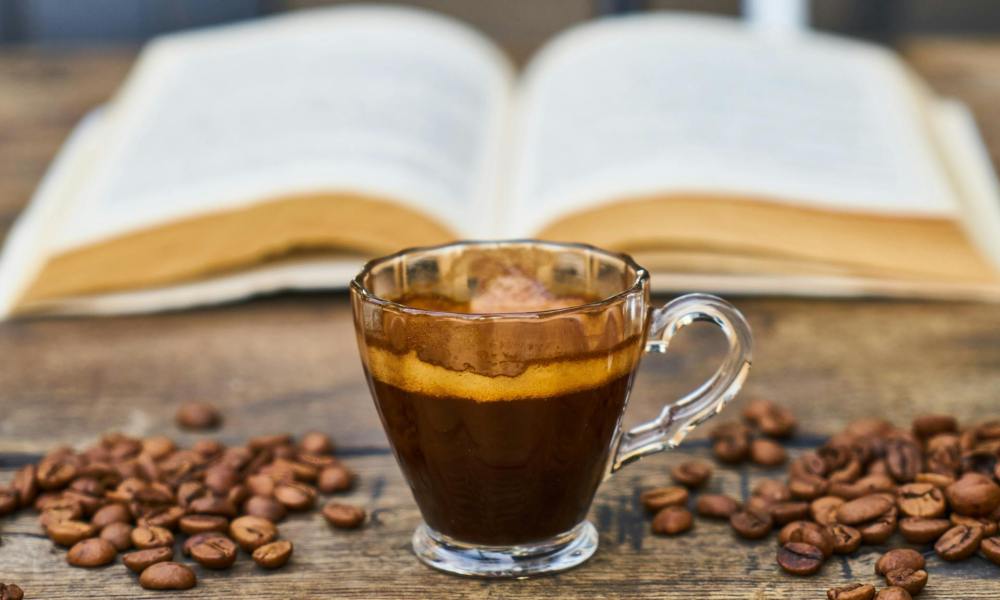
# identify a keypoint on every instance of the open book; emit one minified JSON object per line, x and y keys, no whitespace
{"x":281,"y":153}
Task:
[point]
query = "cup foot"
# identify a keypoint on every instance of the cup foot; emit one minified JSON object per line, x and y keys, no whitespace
{"x":550,"y":556}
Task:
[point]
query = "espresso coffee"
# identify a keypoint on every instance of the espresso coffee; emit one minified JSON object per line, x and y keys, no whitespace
{"x":502,"y":460}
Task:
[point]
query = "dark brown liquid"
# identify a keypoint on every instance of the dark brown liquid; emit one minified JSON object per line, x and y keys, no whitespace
{"x":503,"y":472}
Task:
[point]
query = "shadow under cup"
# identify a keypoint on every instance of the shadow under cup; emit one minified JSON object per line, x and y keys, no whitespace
{"x":501,"y":372}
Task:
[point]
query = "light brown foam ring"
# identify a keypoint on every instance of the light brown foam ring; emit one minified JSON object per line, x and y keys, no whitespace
{"x":544,"y":380}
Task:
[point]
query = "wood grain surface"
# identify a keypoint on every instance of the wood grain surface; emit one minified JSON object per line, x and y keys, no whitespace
{"x":289,"y":364}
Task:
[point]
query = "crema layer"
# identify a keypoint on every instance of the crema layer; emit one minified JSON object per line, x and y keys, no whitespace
{"x":536,"y":381}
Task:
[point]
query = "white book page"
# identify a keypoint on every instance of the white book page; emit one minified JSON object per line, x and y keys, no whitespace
{"x":659,"y":104}
{"x":383,"y":101}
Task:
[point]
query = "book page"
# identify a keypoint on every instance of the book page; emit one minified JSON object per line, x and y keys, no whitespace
{"x":387,"y":102}
{"x":660,"y":104}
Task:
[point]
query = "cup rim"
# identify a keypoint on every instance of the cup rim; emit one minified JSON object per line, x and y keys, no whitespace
{"x":357,"y":286}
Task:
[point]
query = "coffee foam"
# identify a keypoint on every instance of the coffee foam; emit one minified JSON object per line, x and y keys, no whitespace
{"x":541,"y":380}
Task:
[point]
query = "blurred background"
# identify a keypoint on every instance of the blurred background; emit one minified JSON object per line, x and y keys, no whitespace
{"x":522,"y":24}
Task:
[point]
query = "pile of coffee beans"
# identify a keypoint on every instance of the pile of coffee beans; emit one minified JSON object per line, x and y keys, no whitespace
{"x":934,"y":483}
{"x":143,"y":498}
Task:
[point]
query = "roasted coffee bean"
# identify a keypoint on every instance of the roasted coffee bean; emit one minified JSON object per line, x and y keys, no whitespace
{"x":57,"y":511}
{"x":730,"y":450}
{"x":672,"y":520}
{"x":238,"y":494}
{"x":808,"y":464}
{"x":879,"y":530}
{"x":89,"y":504}
{"x":936,"y":479}
{"x":848,"y":473}
{"x":809,"y":488}
{"x":198,"y":415}
{"x":731,"y":442}
{"x":846,"y":539}
{"x":263,"y":485}
{"x":87,"y":485}
{"x":800,"y":559}
{"x":140,"y":560}
{"x":770,"y":418}
{"x":252,"y":532}
{"x":989,"y":527}
{"x":112,"y":513}
{"x":943,"y":455}
{"x":193,"y":524}
{"x":893,"y":593}
{"x":279,"y":471}
{"x":343,"y":516}
{"x":927,"y":426}
{"x":215,"y":553}
{"x":922,"y":531}
{"x":836,"y":456}
{"x":295,"y":496}
{"x":152,"y":496}
{"x":10,"y":591}
{"x":864,"y":509}
{"x":320,"y":461}
{"x":197,"y":539}
{"x":982,"y":459}
{"x":119,"y":534}
{"x":756,"y":409}
{"x":271,"y":441}
{"x":151,"y":537}
{"x":68,"y":533}
{"x":751,"y":524}
{"x":989,"y":430}
{"x":158,"y":446}
{"x":273,"y":555}
{"x":8,"y":502}
{"x":767,"y":453}
{"x":786,"y":512}
{"x":911,"y":580}
{"x":691,"y":474}
{"x":870,"y":484}
{"x":168,"y":576}
{"x":921,"y":500}
{"x":716,"y":506}
{"x":973,"y":495}
{"x":990,"y":547}
{"x":55,"y":473}
{"x":314,"y":443}
{"x":759,"y":504}
{"x":854,"y":591}
{"x":772,"y":490}
{"x":207,"y":448}
{"x":810,"y":533}
{"x":659,"y":498}
{"x":92,"y":552}
{"x":212,"y":505}
{"x":167,"y":517}
{"x":899,"y":558}
{"x":126,"y":490}
{"x":42,"y":501}
{"x":306,"y":472}
{"x":878,"y":467}
{"x":959,"y":542}
{"x":824,"y":510}
{"x":25,"y":484}
{"x":220,"y":478}
{"x":267,"y":508}
{"x":904,"y":459}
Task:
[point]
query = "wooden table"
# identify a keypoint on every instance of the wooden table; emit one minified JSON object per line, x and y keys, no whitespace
{"x":289,"y":364}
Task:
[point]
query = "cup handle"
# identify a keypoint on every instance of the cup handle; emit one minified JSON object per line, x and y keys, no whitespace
{"x":676,"y":420}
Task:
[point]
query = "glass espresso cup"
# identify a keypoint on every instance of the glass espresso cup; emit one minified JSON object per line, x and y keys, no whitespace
{"x":501,"y":371}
